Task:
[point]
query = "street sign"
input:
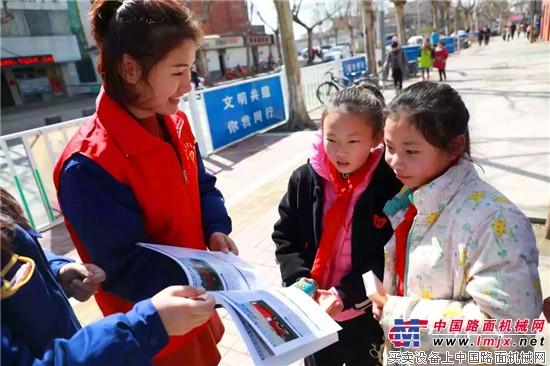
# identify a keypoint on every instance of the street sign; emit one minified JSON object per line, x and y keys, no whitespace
{"x":243,"y":109}
{"x":353,"y":64}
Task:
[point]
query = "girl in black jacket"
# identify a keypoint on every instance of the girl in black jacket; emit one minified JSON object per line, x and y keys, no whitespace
{"x":332,"y":228}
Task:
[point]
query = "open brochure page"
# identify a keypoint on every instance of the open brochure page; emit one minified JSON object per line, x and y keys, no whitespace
{"x":287,"y":321}
{"x":215,"y":271}
{"x":258,"y":349}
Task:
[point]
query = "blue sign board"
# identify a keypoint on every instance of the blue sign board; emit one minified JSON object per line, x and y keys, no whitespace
{"x":449,"y":43}
{"x":240,"y":110}
{"x":354,"y":64}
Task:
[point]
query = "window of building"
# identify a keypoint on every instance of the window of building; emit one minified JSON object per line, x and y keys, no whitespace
{"x":47,"y":22}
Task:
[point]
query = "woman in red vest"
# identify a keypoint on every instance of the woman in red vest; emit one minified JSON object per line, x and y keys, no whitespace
{"x":133,"y":172}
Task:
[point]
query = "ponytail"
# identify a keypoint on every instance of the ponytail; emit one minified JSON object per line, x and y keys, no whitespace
{"x":100,"y":16}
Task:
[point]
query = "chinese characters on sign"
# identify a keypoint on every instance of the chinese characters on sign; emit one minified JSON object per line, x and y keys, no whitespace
{"x":355,"y":64}
{"x":467,"y":358}
{"x":240,"y":110}
{"x":29,"y":60}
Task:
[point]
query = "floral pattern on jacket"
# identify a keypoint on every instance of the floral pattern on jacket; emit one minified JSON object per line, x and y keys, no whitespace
{"x":471,"y":254}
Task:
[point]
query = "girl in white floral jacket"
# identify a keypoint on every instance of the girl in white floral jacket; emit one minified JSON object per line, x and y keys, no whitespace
{"x":461,"y":250}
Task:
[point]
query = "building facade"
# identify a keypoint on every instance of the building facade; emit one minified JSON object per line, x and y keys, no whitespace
{"x":43,"y":52}
{"x":224,"y":17}
{"x":228,"y":36}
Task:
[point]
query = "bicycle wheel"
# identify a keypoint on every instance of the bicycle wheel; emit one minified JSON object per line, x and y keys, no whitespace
{"x":325,"y":90}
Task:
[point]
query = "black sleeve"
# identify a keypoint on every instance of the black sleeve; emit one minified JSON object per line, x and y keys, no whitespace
{"x":291,"y":247}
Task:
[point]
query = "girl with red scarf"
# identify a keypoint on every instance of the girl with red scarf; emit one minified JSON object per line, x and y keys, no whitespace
{"x":332,"y":228}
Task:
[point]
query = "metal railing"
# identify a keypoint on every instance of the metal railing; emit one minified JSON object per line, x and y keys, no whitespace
{"x":28,"y":158}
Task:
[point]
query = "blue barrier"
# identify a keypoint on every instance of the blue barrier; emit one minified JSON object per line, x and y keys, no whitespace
{"x":449,"y":43}
{"x":411,"y":52}
{"x":242,"y":110}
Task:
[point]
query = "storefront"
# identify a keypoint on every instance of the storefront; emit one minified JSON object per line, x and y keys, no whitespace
{"x":228,"y":52}
{"x":223,"y":53}
{"x":260,"y":49}
{"x":30,"y":79}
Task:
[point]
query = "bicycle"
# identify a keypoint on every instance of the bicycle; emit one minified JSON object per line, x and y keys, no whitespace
{"x":325,"y":89}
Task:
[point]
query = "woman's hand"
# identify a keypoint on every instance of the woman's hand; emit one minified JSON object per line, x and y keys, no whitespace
{"x":80,"y":280}
{"x":219,"y":242}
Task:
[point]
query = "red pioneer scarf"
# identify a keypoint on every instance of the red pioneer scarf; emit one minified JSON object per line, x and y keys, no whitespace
{"x":335,"y":217}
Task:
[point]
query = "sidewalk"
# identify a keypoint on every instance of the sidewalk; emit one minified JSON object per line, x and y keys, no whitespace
{"x":510,"y":140}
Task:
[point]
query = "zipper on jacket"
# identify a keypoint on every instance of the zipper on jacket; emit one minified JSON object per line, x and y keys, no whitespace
{"x":185,"y":176}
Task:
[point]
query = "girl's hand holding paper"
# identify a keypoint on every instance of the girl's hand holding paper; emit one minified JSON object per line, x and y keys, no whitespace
{"x":376,"y":293}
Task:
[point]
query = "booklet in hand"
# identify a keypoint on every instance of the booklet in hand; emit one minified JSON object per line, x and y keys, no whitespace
{"x":279,"y":325}
{"x":375,"y":289}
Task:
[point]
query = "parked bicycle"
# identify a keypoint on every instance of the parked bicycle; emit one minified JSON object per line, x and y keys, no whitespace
{"x":325,"y":89}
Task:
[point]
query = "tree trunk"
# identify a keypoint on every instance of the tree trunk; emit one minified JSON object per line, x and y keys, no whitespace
{"x":467,"y":20}
{"x":351,"y":40}
{"x":435,"y":9}
{"x":447,"y":16}
{"x":309,"y":46}
{"x":203,"y":64}
{"x":249,"y":68}
{"x":400,"y":15}
{"x":501,"y":21}
{"x":298,"y":117}
{"x":278,"y":40}
{"x":368,"y":26}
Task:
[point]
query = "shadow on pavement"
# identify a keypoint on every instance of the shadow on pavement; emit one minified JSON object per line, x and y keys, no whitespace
{"x":242,"y":150}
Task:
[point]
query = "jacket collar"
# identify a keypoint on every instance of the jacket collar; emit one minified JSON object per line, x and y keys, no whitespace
{"x":434,"y":196}
{"x":317,"y":156}
{"x":123,"y":128}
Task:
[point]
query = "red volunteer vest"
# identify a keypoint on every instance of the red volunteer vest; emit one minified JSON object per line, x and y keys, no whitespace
{"x":166,"y":189}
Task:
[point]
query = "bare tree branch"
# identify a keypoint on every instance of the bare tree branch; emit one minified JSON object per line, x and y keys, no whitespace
{"x":7,"y":14}
{"x":266,"y":23}
{"x":206,"y":5}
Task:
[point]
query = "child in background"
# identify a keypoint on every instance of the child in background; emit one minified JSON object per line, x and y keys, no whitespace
{"x":440,"y":62}
{"x":425,"y":59}
{"x":461,"y":249}
{"x":332,"y":228}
